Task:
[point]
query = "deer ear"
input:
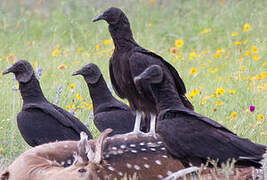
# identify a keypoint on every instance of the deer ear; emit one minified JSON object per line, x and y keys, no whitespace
{"x":4,"y":175}
{"x":26,"y":75}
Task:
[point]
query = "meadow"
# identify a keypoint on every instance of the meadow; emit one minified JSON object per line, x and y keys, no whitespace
{"x":219,"y":48}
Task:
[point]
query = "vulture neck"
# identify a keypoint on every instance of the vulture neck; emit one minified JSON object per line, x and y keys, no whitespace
{"x":99,"y":92}
{"x":122,"y":36}
{"x":31,"y":91}
{"x":168,"y":100}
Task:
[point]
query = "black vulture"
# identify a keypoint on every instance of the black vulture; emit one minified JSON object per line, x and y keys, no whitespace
{"x":129,"y":60}
{"x":189,"y":136}
{"x":108,"y":111}
{"x":40,"y":121}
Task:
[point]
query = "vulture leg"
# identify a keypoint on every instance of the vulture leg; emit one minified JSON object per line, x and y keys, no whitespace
{"x":152,"y":131}
{"x":137,"y":123}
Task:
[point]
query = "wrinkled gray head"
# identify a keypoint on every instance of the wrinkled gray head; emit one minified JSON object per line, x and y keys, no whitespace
{"x":152,"y":74}
{"x":90,"y":72}
{"x":111,"y":16}
{"x":22,"y":69}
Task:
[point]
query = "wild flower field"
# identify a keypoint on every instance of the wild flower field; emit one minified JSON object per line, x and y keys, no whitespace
{"x":219,"y":48}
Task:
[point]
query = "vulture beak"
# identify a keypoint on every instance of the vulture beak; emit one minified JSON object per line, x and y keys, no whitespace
{"x":77,"y":73}
{"x":9,"y":70}
{"x":97,"y":18}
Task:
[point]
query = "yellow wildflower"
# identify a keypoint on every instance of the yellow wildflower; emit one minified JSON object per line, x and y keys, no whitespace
{"x":149,"y":25}
{"x":219,"y":103}
{"x":152,"y":2}
{"x":245,"y":41}
{"x":1,"y":150}
{"x":106,"y":42}
{"x":235,"y":34}
{"x":56,"y":52}
{"x":241,"y":59}
{"x":179,"y":43}
{"x":237,"y":43}
{"x":97,"y":47}
{"x":246,"y":27}
{"x":232,"y":91}
{"x":205,"y":31}
{"x":214,"y":95}
{"x":85,"y":103}
{"x":233,"y":115}
{"x":72,"y":86}
{"x":262,"y":133}
{"x":90,"y":106}
{"x":173,"y":50}
{"x":193,"y":71}
{"x":260,"y":117}
{"x":193,"y":55}
{"x":264,"y":74}
{"x":34,"y":64}
{"x":256,"y":57}
{"x":78,"y":50}
{"x":211,"y":70}
{"x":217,"y":55}
{"x":247,"y":53}
{"x":254,"y":49}
{"x":243,"y":68}
{"x":204,"y":52}
{"x":220,"y":91}
{"x":78,"y":96}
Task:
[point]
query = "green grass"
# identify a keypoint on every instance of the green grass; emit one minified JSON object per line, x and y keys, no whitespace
{"x":31,"y":30}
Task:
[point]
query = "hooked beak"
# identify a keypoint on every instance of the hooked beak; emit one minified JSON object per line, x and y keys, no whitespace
{"x":77,"y":73}
{"x":9,"y":70}
{"x":97,"y":18}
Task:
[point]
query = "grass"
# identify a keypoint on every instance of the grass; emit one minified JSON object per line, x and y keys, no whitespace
{"x":60,"y":38}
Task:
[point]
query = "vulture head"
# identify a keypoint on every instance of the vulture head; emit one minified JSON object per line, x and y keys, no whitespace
{"x":22,"y":69}
{"x":90,"y":72}
{"x":112,"y":16}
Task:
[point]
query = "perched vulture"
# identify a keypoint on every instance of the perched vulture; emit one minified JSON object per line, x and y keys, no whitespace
{"x":191,"y":137}
{"x":40,"y":121}
{"x":129,"y":60}
{"x":108,"y":111}
{"x":119,"y":157}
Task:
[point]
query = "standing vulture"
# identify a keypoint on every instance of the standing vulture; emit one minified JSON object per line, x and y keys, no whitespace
{"x":108,"y":111}
{"x":189,"y":136}
{"x":40,"y":121}
{"x":129,"y":60}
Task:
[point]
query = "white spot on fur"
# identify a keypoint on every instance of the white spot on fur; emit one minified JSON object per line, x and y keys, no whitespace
{"x":120,"y":173}
{"x":169,"y":173}
{"x":128,"y":165}
{"x":69,"y":162}
{"x":123,"y":146}
{"x":152,"y":149}
{"x":114,"y":148}
{"x":136,"y":167}
{"x":120,"y":151}
{"x":159,"y":142}
{"x":132,"y":145}
{"x":143,"y":149}
{"x":111,"y":168}
{"x":146,"y":166}
{"x":145,"y":158}
{"x":133,"y":151}
{"x":125,"y":139}
{"x":142,"y":143}
{"x":164,"y":156}
{"x":158,"y":162}
{"x":62,"y":163}
{"x":107,"y":156}
{"x":160,"y":176}
{"x":66,"y":146}
{"x":163,"y":148}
